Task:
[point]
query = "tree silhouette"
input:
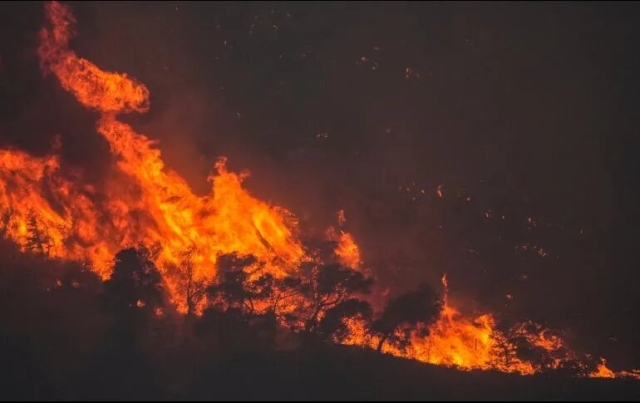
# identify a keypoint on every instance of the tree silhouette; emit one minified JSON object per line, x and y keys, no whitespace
{"x":505,"y":348}
{"x":240,"y":313}
{"x":329,"y":285}
{"x":37,"y":239}
{"x":236,"y":290}
{"x":282,"y":299}
{"x":189,"y":285}
{"x":134,"y":291}
{"x":422,"y":306}
{"x":333,"y":323}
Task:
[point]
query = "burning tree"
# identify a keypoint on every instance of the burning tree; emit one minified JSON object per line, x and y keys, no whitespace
{"x":505,"y":349}
{"x":327,"y":287}
{"x":284,"y":292}
{"x":405,"y":312}
{"x":37,"y":238}
{"x":237,"y":289}
{"x":192,"y":288}
{"x":241,"y":303}
{"x":334,"y":326}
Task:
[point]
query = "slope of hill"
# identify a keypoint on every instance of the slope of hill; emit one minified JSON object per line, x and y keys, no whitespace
{"x":339,"y":372}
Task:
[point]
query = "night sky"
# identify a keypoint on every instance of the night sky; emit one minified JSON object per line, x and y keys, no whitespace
{"x":522,"y":110}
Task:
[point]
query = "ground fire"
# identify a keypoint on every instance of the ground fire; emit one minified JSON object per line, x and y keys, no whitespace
{"x":50,"y":210}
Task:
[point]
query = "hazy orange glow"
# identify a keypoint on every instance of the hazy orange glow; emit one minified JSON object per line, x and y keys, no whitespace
{"x":52,"y":211}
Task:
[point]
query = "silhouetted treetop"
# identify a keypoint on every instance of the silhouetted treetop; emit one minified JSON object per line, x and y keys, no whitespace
{"x":328,"y":285}
{"x":333,"y":323}
{"x":135,"y":283}
{"x":422,"y":306}
{"x":237,"y":286}
{"x":336,"y":281}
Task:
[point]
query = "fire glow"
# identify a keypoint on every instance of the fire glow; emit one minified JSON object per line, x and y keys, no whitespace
{"x":145,"y":202}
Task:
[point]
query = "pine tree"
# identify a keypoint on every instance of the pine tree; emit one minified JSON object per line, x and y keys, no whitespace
{"x":37,"y":239}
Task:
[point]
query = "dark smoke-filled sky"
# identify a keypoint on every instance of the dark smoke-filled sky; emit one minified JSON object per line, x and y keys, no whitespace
{"x":520,"y":110}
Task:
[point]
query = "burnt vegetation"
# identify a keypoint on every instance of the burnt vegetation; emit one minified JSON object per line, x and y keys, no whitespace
{"x":66,"y":334}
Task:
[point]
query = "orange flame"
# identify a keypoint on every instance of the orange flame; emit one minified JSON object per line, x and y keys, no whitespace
{"x":469,"y":343}
{"x":602,"y":371}
{"x":149,"y":203}
{"x":455,"y":340}
{"x":347,"y":250}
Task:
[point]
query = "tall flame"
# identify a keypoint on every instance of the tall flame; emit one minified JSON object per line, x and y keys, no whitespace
{"x":148,"y":204}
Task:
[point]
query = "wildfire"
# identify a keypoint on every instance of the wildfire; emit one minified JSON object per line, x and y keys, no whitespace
{"x":471,"y":343}
{"x":456,"y":340}
{"x":146,"y":203}
{"x":52,"y":211}
{"x":602,"y":371}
